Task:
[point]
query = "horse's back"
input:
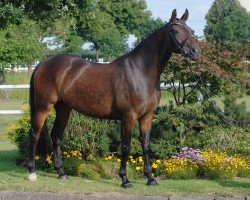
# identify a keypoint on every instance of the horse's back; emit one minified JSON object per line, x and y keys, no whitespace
{"x":84,"y":86}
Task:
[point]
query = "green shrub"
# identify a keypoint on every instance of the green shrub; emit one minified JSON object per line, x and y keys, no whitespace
{"x":173,"y":127}
{"x":91,"y":169}
{"x":82,"y":133}
{"x":18,"y":133}
{"x":233,"y":140}
{"x":237,"y":112}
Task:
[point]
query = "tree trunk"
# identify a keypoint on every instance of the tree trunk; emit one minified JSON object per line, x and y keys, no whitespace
{"x":5,"y":93}
{"x":97,"y":48}
{"x":29,"y":69}
{"x":97,"y":54}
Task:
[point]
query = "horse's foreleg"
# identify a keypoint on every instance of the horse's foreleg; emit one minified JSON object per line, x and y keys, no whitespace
{"x":34,"y":134}
{"x":145,"y":124}
{"x":126,"y":133}
{"x":62,"y":116}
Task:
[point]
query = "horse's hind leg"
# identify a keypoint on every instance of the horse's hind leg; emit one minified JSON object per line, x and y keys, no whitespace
{"x":37,"y":124}
{"x":62,"y":116}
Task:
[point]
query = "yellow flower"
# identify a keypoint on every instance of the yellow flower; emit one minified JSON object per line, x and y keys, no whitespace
{"x":133,"y":161}
{"x":154,"y":166}
{"x":137,"y":168}
{"x":158,"y":161}
{"x":109,"y":157}
{"x":37,"y":157}
{"x":106,"y":158}
{"x":140,"y":159}
{"x":118,"y":160}
{"x":74,"y":153}
{"x":48,"y":159}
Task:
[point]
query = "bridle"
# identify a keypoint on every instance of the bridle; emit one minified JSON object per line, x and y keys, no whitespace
{"x":180,"y":45}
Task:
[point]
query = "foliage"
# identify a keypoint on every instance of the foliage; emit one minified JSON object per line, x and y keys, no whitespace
{"x":88,"y":135}
{"x":104,"y":23}
{"x":20,"y":44}
{"x":236,"y":111}
{"x":173,"y":127}
{"x":148,"y":27}
{"x":213,"y":75}
{"x":9,"y":14}
{"x":227,"y":20}
{"x":180,"y":169}
{"x":108,"y":23}
{"x":188,"y":164}
{"x":47,"y":13}
{"x":73,"y":44}
{"x":218,"y":165}
{"x":229,"y":139}
{"x":18,"y":132}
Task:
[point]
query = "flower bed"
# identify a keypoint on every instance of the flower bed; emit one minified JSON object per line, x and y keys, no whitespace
{"x":189,"y":163}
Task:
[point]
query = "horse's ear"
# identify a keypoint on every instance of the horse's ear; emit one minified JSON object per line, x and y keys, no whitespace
{"x":174,"y":15}
{"x":185,"y":15}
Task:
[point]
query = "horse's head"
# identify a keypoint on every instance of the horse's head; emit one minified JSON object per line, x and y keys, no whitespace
{"x":182,"y":37}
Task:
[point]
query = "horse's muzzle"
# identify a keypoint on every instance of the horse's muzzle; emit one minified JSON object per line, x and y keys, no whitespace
{"x":194,"y":52}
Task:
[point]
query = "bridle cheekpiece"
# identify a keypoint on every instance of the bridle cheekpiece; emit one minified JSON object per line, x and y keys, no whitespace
{"x":178,"y":44}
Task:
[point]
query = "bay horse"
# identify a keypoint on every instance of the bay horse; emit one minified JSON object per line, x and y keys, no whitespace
{"x":127,"y":89}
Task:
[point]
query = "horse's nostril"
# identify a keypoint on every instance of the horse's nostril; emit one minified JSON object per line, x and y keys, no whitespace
{"x":193,"y":50}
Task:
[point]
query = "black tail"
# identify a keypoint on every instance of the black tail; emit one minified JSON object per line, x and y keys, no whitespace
{"x":44,"y":143}
{"x":32,"y":98}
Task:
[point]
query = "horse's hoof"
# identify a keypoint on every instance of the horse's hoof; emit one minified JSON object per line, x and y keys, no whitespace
{"x":152,"y":182}
{"x":63,"y":177}
{"x":127,"y":185}
{"x":32,"y":177}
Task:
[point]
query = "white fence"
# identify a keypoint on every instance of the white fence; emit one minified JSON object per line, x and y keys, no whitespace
{"x":21,"y":87}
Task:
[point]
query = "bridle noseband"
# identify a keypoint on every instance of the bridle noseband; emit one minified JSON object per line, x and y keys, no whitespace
{"x":180,"y":45}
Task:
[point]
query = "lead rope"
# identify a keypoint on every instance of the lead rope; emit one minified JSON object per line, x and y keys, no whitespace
{"x":228,"y":120}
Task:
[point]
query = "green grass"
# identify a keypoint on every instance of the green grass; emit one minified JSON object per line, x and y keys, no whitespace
{"x":15,"y":179}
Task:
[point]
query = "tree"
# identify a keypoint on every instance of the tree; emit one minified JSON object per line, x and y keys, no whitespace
{"x":223,"y":76}
{"x":108,"y":23}
{"x":102,"y":32}
{"x":148,"y":27}
{"x":227,"y":21}
{"x":20,"y":45}
{"x":9,"y":14}
{"x":73,"y":44}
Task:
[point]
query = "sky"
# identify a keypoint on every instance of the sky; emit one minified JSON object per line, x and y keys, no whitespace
{"x":197,"y":11}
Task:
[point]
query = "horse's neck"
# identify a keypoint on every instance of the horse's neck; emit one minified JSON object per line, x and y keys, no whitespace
{"x":152,"y":54}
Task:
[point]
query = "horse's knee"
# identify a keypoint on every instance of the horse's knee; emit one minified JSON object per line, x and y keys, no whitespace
{"x":31,"y":166}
